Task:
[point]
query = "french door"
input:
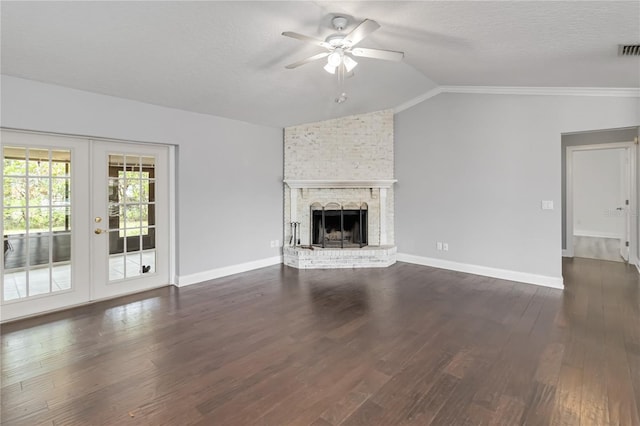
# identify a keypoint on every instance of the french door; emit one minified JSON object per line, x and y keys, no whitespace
{"x":130,"y":244}
{"x":82,"y":220}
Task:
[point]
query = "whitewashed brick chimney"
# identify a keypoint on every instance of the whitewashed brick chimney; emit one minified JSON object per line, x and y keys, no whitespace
{"x":345,"y":160}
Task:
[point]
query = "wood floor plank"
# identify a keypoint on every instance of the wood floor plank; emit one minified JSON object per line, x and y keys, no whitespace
{"x":342,"y":409}
{"x":568,"y":404}
{"x":405,"y":345}
{"x":595,"y":404}
{"x":508,"y":412}
{"x":540,"y":404}
{"x":367,"y":414}
{"x":622,"y":408}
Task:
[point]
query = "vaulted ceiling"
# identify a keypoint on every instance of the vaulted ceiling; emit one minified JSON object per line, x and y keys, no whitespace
{"x":228,"y":58}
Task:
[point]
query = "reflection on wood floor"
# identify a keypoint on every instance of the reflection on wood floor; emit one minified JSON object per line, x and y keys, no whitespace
{"x":597,"y":248}
{"x":408,"y":345}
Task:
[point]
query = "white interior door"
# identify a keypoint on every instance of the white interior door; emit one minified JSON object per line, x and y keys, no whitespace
{"x":130,"y":235}
{"x":81,"y":221}
{"x":45,"y":223}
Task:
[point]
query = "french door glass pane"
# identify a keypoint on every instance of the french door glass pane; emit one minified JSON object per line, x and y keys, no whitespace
{"x":36,"y":221}
{"x":131,"y":194}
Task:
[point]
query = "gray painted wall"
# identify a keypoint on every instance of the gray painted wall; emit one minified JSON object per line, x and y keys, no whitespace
{"x":587,"y":138}
{"x":229,"y":186}
{"x":473,"y":169}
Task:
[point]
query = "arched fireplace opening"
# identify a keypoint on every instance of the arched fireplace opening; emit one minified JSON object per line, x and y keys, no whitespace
{"x":339,"y":226}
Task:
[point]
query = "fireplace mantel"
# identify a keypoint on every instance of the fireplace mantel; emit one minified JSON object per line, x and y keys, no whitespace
{"x":328,"y":183}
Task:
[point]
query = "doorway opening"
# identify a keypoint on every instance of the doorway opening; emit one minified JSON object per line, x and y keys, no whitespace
{"x":601,"y":201}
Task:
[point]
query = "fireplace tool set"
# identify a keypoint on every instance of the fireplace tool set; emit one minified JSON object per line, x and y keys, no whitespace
{"x":294,"y":240}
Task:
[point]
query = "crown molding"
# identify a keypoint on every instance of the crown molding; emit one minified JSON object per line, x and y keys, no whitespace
{"x":621,"y":92}
{"x":618,"y":92}
{"x":415,"y":101}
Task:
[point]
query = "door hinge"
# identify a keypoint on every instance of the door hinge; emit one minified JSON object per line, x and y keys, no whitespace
{"x":626,"y":202}
{"x":635,"y":140}
{"x":626,"y":243}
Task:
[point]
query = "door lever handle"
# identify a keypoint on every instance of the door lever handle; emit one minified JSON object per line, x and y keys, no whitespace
{"x":620,"y":208}
{"x":99,"y":231}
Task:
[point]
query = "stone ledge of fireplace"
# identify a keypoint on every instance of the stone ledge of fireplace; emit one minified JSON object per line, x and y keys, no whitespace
{"x":329,"y":258}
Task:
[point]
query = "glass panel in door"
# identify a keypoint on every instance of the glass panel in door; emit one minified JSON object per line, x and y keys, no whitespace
{"x":132,"y":215}
{"x":36,"y":219}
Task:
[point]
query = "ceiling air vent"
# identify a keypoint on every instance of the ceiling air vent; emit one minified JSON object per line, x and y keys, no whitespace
{"x":629,"y":50}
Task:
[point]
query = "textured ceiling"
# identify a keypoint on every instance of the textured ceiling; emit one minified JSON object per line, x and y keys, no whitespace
{"x":228,"y":58}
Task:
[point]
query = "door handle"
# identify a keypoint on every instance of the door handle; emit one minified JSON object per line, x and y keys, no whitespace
{"x":99,"y":231}
{"x":620,"y":208}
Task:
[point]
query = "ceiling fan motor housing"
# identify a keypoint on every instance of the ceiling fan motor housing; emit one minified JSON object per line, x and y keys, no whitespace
{"x":339,"y":23}
{"x":336,"y":40}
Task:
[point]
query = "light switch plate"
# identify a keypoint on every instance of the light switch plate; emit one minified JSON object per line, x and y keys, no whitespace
{"x":547,"y":204}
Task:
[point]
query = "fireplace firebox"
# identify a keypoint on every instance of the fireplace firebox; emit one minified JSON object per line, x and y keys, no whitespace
{"x":333,"y":226}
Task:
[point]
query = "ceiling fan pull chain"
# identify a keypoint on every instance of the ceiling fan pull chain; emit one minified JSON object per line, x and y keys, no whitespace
{"x":342,"y":96}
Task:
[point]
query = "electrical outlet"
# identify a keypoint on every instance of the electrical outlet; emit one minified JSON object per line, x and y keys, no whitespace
{"x":272,"y":243}
{"x":445,"y":246}
{"x":439,"y":245}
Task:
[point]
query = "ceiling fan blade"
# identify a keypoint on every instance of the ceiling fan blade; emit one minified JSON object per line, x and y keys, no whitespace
{"x":387,"y":55}
{"x":307,"y":60}
{"x":365,"y":28}
{"x":307,"y":39}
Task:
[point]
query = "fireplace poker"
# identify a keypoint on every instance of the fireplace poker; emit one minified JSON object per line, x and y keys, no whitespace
{"x":291,"y":232}
{"x":295,"y":233}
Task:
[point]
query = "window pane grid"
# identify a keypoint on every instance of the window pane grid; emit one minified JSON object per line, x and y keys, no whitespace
{"x":36,"y":262}
{"x":131,"y":206}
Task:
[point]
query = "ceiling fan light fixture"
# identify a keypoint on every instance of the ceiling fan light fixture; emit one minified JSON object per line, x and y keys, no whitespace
{"x":349,"y":63}
{"x":335,"y":58}
{"x":330,"y":68}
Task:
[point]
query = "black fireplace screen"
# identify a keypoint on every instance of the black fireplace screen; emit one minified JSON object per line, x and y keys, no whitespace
{"x":339,"y":228}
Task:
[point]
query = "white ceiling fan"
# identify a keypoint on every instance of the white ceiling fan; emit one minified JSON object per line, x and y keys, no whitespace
{"x":341,"y":47}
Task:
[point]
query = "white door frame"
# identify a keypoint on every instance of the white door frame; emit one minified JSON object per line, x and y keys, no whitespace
{"x":632,"y":229}
{"x":172,"y":176}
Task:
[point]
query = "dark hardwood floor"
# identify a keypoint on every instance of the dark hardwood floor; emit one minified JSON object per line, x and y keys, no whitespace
{"x":406,"y":345}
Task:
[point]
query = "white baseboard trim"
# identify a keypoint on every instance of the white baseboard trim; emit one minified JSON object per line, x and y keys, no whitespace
{"x":225,"y":271}
{"x":565,"y":253}
{"x":637,"y":266}
{"x":505,"y":274}
{"x":595,"y":234}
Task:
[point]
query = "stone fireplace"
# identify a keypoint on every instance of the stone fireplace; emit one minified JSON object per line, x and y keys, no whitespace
{"x":338,"y":193}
